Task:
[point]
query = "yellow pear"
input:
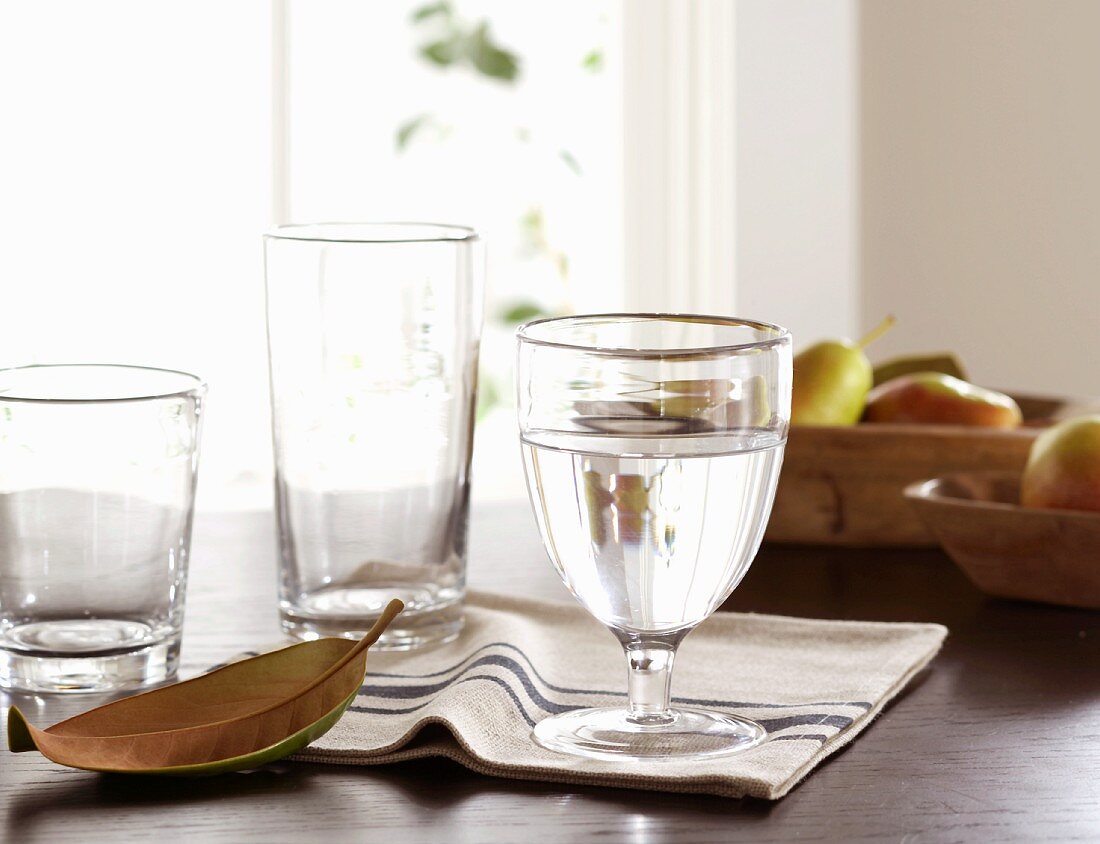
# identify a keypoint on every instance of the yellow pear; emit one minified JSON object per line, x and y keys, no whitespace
{"x":832,"y":379}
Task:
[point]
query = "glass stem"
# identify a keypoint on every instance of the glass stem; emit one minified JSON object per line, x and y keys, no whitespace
{"x":649,"y":679}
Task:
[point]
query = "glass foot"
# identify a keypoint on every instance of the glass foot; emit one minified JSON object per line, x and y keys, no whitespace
{"x":684,"y":735}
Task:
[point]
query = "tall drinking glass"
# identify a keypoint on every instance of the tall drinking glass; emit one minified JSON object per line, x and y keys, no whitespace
{"x":97,"y":484}
{"x":652,"y":445}
{"x":373,"y":333}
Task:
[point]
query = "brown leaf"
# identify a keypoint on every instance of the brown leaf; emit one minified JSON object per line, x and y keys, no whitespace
{"x":236,"y":717}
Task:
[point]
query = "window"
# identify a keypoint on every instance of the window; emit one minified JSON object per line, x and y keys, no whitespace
{"x":496,"y":114}
{"x":135,"y":183}
{"x":138,"y":176}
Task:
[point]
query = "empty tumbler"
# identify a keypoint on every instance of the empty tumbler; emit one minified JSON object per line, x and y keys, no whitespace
{"x":373,"y":333}
{"x":97,"y":484}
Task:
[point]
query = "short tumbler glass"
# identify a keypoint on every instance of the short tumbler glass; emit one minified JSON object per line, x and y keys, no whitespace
{"x":652,"y":445}
{"x":97,"y":482}
{"x":373,"y":334}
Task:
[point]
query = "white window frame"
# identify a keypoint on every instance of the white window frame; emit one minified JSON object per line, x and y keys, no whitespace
{"x":679,"y":153}
{"x":280,"y":112}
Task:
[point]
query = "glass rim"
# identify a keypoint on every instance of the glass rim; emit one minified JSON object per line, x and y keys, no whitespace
{"x":197,"y":388}
{"x":782,"y":335}
{"x":372,"y":232}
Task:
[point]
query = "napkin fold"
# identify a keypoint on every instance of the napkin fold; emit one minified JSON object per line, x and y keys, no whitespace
{"x":814,"y":685}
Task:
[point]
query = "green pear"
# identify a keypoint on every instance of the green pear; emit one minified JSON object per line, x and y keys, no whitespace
{"x":944,"y":362}
{"x":832,"y":379}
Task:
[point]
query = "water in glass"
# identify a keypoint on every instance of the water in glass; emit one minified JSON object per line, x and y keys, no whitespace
{"x":652,"y":542}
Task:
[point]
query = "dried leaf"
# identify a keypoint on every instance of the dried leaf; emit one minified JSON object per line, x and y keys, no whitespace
{"x":236,"y":717}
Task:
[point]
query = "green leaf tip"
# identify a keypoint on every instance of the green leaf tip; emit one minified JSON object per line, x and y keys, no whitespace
{"x":20,"y":739}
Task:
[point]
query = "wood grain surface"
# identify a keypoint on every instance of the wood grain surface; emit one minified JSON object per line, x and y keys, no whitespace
{"x":843,"y":486}
{"x":998,"y":741}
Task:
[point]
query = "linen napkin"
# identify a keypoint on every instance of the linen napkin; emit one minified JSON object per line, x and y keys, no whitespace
{"x":814,"y":685}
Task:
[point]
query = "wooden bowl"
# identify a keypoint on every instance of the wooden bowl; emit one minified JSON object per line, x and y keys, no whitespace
{"x":1008,"y":550}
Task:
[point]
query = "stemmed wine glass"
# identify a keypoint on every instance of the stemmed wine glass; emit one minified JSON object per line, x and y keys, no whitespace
{"x":652,"y":445}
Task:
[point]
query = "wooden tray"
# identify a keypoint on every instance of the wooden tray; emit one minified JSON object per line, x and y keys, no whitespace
{"x":843,"y":486}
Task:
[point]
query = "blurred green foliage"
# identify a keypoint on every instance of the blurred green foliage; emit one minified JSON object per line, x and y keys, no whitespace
{"x":520,"y":312}
{"x":535,"y":241}
{"x":453,"y":42}
{"x":570,"y":161}
{"x":449,"y":42}
{"x":488,"y":394}
{"x":593,"y":61}
{"x":409,"y":128}
{"x":412,"y":128}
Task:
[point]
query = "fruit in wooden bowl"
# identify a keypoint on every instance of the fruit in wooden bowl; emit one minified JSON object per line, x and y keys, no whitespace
{"x":1009,"y":550}
{"x":1063,"y":470}
{"x":842,"y":482}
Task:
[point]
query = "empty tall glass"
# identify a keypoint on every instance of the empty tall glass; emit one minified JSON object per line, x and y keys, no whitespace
{"x":652,"y":446}
{"x":373,"y":338}
{"x":97,"y":483}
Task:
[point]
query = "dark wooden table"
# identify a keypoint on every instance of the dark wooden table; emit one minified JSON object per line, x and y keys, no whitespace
{"x":999,"y":740}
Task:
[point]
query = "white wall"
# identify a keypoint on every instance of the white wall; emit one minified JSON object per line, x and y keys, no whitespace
{"x":981,"y":184}
{"x":796,"y":160}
